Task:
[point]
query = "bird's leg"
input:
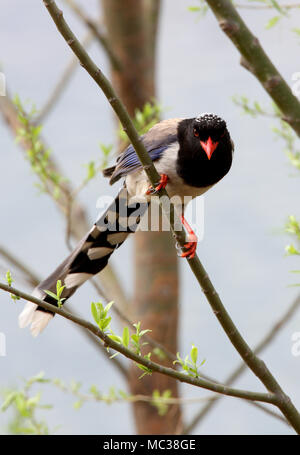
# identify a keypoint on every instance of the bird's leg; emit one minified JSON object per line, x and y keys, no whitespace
{"x":161,"y":184}
{"x":192,"y":243}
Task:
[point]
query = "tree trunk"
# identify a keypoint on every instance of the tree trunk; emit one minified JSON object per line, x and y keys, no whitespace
{"x":132,"y":32}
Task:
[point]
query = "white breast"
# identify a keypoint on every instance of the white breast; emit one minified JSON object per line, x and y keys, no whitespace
{"x":137,"y":183}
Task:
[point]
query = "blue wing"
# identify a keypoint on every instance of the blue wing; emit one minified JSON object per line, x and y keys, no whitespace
{"x":158,"y":139}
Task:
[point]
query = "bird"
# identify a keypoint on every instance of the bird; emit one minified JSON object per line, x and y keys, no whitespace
{"x":190,"y":154}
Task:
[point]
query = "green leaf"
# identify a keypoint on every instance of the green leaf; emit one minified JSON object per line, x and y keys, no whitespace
{"x":9,"y":278}
{"x":277,"y":6}
{"x":291,"y":250}
{"x":194,"y":354}
{"x":78,"y":404}
{"x":51,"y":294}
{"x":10,"y":398}
{"x":272,"y":22}
{"x":125,"y":337}
{"x":33,"y":401}
{"x":108,"y":306}
{"x":104,"y":323}
{"x":194,"y":9}
{"x":95,"y":312}
{"x":115,"y":338}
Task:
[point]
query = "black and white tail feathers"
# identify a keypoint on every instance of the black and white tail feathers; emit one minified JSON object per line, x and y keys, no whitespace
{"x":89,"y":257}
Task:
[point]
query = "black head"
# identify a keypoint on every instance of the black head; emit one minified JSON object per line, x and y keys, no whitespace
{"x":205,"y":153}
{"x":209,"y":129}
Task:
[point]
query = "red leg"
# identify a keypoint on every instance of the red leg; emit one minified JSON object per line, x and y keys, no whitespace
{"x":192,"y":244}
{"x":162,"y":184}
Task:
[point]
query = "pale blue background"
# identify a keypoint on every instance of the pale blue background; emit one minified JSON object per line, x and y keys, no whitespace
{"x":243,"y":247}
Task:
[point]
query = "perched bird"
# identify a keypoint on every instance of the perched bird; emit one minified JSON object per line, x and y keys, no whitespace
{"x":191,"y":155}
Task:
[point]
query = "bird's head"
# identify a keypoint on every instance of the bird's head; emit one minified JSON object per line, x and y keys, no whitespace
{"x":210,"y":131}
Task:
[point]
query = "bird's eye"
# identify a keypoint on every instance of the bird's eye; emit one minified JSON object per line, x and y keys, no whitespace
{"x":196,"y":134}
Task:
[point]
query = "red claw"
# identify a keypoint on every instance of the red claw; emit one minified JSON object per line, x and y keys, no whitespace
{"x":162,"y":184}
{"x":191,"y":246}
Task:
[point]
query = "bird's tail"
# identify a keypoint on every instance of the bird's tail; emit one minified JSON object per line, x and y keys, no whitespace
{"x":89,"y":257}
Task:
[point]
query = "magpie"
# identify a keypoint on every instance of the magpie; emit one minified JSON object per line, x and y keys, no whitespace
{"x":191,"y":155}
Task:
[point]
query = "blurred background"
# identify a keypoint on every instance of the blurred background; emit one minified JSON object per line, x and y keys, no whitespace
{"x":243,"y":249}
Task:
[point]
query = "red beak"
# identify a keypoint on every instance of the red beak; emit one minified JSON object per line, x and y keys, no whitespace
{"x":209,"y":147}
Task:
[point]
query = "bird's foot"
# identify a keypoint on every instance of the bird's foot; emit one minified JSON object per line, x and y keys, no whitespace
{"x":162,"y":184}
{"x":190,"y":249}
{"x":191,"y":245}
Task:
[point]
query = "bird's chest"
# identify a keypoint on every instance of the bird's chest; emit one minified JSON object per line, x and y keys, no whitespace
{"x":137,"y":183}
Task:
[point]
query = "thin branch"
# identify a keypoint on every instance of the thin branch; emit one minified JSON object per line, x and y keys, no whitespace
{"x":271,"y":398}
{"x":266,"y":340}
{"x":15,"y":262}
{"x":255,"y":364}
{"x":269,"y":412}
{"x":84,"y":397}
{"x":95,"y":29}
{"x":256,"y":61}
{"x":34,"y":280}
{"x":283,"y":7}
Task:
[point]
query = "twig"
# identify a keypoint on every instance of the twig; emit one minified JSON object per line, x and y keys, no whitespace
{"x":256,"y":61}
{"x":271,"y":398}
{"x":131,"y":398}
{"x":283,"y":7}
{"x":34,"y":280}
{"x":254,"y":363}
{"x":14,"y":261}
{"x":94,"y":28}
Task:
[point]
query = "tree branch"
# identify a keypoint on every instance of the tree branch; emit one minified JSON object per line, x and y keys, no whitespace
{"x":256,"y":61}
{"x":260,"y":7}
{"x":34,"y":280}
{"x":108,"y":342}
{"x":31,"y":277}
{"x":94,"y":28}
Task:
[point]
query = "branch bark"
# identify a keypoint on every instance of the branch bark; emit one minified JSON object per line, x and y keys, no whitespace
{"x":255,"y":59}
{"x":271,"y":398}
{"x":254,"y":363}
{"x":94,"y":28}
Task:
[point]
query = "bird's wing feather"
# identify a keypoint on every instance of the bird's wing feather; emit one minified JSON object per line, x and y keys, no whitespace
{"x":156,"y":140}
